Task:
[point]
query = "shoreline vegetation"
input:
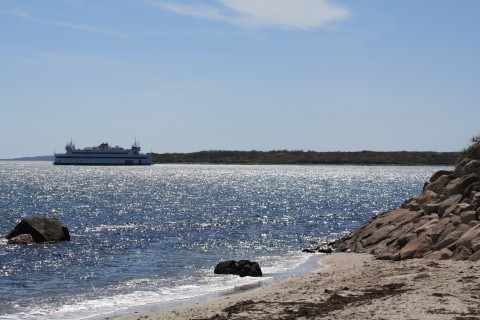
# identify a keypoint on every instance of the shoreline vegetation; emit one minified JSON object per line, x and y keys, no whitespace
{"x":296,"y":157}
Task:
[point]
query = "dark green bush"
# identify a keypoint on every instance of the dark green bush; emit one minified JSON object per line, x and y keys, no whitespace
{"x":472,"y":151}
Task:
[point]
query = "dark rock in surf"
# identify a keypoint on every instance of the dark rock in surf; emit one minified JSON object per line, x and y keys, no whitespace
{"x":242,"y":268}
{"x":249,"y":268}
{"x":21,"y":239}
{"x":325,"y":248}
{"x":225,"y":267}
{"x":41,"y":230}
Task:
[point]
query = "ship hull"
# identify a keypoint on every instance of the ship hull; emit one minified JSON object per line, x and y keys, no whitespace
{"x":93,"y":161}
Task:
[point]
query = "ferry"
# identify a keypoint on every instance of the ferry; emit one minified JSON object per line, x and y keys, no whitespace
{"x":104,"y":154}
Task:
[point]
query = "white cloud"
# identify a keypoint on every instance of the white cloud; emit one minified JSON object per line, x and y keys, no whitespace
{"x":290,"y":14}
{"x":299,"y":14}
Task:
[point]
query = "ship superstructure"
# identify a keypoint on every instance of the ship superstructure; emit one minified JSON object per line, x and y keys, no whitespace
{"x":103,"y":154}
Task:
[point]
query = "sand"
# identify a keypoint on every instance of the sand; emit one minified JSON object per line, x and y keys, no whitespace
{"x":351,"y":286}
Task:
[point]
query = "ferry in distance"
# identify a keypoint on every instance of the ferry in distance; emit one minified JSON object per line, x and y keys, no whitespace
{"x":104,"y":154}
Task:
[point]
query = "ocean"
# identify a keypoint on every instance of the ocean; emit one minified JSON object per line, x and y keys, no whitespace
{"x":145,"y":237}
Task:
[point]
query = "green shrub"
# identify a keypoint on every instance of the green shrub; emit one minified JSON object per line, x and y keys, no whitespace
{"x":472,"y":151}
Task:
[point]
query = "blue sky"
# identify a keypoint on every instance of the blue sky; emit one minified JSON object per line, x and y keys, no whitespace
{"x":184,"y":76}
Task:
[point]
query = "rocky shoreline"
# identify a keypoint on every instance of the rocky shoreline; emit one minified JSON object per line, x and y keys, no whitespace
{"x":440,"y":223}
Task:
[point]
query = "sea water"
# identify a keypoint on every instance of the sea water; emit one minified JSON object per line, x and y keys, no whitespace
{"x":147,"y":236}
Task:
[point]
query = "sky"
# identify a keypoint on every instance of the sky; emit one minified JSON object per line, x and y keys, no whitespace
{"x":193,"y":75}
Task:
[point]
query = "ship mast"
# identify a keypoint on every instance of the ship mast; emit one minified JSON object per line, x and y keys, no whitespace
{"x":136,"y":144}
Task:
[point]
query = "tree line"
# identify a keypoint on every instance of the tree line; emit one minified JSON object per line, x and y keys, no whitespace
{"x":310,"y":157}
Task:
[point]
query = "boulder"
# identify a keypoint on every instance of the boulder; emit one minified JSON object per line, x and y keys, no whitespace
{"x":474,"y":222}
{"x":249,"y":268}
{"x":398,"y":233}
{"x":472,"y":166}
{"x":427,"y":227}
{"x":475,"y":257}
{"x":404,"y":239}
{"x":461,"y":253}
{"x":468,"y":216}
{"x":450,"y":201}
{"x":396,"y":217}
{"x":225,"y":267}
{"x":467,"y":238}
{"x":449,"y":227}
{"x":460,"y":168}
{"x":443,"y":254}
{"x":474,"y":187}
{"x":21,"y":239}
{"x":41,"y":230}
{"x":438,"y":229}
{"x":458,"y":185}
{"x":438,"y":185}
{"x":380,"y":234}
{"x":325,"y":249}
{"x":242,"y":268}
{"x":416,"y":248}
{"x":428,"y":196}
{"x":461,"y":207}
{"x":430,"y":208}
{"x":452,"y":237}
{"x":389,"y":254}
{"x":439,"y":174}
{"x":475,"y":199}
{"x":476,"y":245}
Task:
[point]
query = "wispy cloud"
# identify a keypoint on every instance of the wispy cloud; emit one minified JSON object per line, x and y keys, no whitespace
{"x":66,"y":57}
{"x":20,"y":14}
{"x":290,"y":14}
{"x":63,"y":24}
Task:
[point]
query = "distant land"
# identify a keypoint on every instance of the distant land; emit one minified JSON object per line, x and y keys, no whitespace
{"x":311,"y":157}
{"x":297,"y":157}
{"x":33,"y":158}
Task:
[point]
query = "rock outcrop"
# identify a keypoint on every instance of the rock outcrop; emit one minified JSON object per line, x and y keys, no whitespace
{"x":242,"y":268}
{"x":440,"y":223}
{"x":33,"y":230}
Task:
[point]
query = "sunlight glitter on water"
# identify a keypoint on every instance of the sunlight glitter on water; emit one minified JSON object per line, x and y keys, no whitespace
{"x":135,"y":230}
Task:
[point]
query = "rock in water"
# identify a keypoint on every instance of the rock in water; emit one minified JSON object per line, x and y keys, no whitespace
{"x":41,"y":229}
{"x":21,"y":239}
{"x":225,"y":267}
{"x":242,"y":268}
{"x":249,"y":268}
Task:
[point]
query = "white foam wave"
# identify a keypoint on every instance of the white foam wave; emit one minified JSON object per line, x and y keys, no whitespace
{"x":140,"y":300}
{"x":111,"y":227}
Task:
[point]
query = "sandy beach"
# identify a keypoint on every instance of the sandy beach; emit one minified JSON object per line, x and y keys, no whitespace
{"x":351,"y":286}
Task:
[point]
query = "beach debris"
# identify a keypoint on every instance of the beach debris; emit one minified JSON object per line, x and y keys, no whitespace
{"x":249,"y":309}
{"x":443,"y":222}
{"x":242,"y":268}
{"x":38,"y":229}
